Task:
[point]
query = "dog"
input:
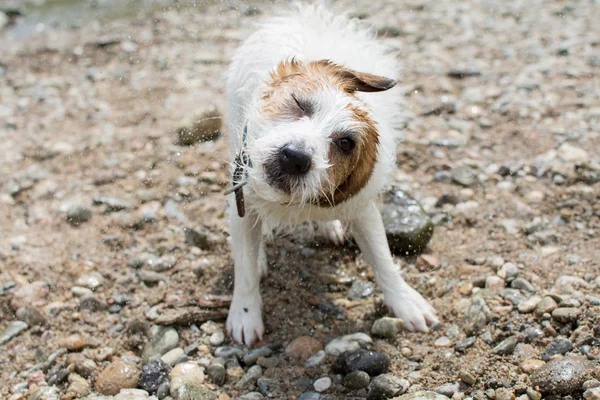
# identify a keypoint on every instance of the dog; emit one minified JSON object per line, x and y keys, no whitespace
{"x":312,"y":119}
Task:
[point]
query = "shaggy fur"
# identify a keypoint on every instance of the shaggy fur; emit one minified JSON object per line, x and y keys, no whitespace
{"x":310,"y":78}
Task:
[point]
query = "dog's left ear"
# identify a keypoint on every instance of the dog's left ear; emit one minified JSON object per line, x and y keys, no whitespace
{"x":363,"y":82}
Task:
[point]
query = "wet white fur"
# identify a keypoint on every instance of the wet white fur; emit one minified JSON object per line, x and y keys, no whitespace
{"x":311,"y":33}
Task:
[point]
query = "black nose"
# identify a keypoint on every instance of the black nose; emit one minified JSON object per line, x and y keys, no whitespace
{"x":294,"y":161}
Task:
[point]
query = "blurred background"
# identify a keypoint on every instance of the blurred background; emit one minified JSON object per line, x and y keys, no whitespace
{"x":115,"y":274}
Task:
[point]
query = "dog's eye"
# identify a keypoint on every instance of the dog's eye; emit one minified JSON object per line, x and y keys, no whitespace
{"x":346,"y":144}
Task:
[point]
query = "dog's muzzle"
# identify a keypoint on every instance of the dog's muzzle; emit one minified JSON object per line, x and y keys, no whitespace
{"x":287,"y":165}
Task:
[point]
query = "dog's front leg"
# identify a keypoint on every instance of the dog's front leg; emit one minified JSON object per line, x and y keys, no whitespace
{"x":244,"y":322}
{"x":406,"y":303}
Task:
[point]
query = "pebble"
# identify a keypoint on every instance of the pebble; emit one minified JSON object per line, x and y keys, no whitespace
{"x":592,"y":383}
{"x":322,"y":384}
{"x":303,"y":347}
{"x":193,"y":392}
{"x":217,"y":373}
{"x":504,"y":394}
{"x":309,"y":396}
{"x":112,"y":204}
{"x":386,"y":386}
{"x":531,"y":365}
{"x":407,"y":225}
{"x":267,"y":386}
{"x":562,"y":376}
{"x":163,"y":339}
{"x":187,"y":373}
{"x":494,"y":283}
{"x":357,"y":380}
{"x":464,"y":175}
{"x":467,"y":377}
{"x":316,"y":359}
{"x":529,"y":305}
{"x":475,"y":319}
{"x":449,"y":389}
{"x":77,"y":342}
{"x":78,"y":386}
{"x":252,"y":356}
{"x":427,"y":262}
{"x":522,"y":284}
{"x":217,"y":338}
{"x":274,"y":362}
{"x":507,"y":346}
{"x":592,"y":394}
{"x":386,"y":327}
{"x":77,"y":214}
{"x":466,"y":344}
{"x":422,"y":395}
{"x":229,"y":352}
{"x":92,"y":280}
{"x":250,"y":377}
{"x":202,"y":239}
{"x":546,"y":305}
{"x":573,"y":154}
{"x":151,"y":277}
{"x":565,"y":315}
{"x":360,"y":289}
{"x":116,"y":376}
{"x":154,"y":374}
{"x":508,"y":272}
{"x":82,"y":365}
{"x":443,"y":341}
{"x":347,"y":343}
{"x":199,"y":128}
{"x":371,"y":362}
{"x":12,"y":330}
{"x":533,"y":394}
{"x":557,"y":346}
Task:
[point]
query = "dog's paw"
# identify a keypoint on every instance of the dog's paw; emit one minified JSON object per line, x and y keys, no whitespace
{"x":332,"y":232}
{"x":244,"y":322}
{"x":408,"y":305}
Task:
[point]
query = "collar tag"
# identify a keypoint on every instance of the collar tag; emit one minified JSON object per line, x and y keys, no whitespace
{"x":237,"y":179}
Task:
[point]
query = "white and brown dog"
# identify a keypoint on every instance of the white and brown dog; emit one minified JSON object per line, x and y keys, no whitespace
{"x":313,"y":128}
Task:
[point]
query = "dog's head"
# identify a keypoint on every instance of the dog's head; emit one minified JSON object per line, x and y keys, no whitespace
{"x":313,"y":140}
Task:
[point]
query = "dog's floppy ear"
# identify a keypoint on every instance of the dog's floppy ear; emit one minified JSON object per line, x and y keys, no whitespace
{"x":363,"y":82}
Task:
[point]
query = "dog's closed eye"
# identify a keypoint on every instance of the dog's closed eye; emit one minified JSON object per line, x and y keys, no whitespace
{"x":305,"y":107}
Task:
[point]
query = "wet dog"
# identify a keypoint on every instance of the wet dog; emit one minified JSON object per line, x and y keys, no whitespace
{"x":312,"y":120}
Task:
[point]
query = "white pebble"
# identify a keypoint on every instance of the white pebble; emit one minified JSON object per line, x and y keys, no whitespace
{"x":322,"y":384}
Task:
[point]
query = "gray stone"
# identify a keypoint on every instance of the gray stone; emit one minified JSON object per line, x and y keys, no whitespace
{"x":249,"y":379}
{"x":422,"y":395}
{"x":407,"y":226}
{"x":507,"y":346}
{"x":229,"y":352}
{"x":267,"y":386}
{"x":562,"y":376}
{"x":386,"y":386}
{"x":78,"y":214}
{"x":475,"y":318}
{"x":557,"y":346}
{"x":163,"y":339}
{"x":113,"y":204}
{"x":316,"y":359}
{"x":522,"y":284}
{"x":360,"y":289}
{"x":347,"y":343}
{"x":322,"y":384}
{"x":449,"y":389}
{"x":154,"y":374}
{"x":371,"y":362}
{"x":565,"y":315}
{"x":193,"y":392}
{"x":357,"y":380}
{"x":217,"y":373}
{"x":252,"y":356}
{"x":31,"y":316}
{"x":464,"y":175}
{"x":386,"y":327}
{"x":13,"y":329}
{"x":309,"y":396}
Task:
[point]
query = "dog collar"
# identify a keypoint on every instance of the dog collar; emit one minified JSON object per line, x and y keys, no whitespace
{"x":240,"y":175}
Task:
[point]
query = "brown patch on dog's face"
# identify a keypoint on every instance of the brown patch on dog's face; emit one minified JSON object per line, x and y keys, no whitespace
{"x":289,"y":95}
{"x":350,"y":172}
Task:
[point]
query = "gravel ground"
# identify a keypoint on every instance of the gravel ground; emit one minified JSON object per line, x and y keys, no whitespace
{"x":115,"y":274}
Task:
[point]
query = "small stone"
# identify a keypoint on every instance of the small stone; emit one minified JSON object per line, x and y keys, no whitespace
{"x":591,"y":384}
{"x":193,"y":392}
{"x":449,"y":389}
{"x":592,"y":394}
{"x":154,"y":374}
{"x":533,"y":333}
{"x":267,"y":386}
{"x":508,"y":272}
{"x":522,"y":284}
{"x":217,"y":373}
{"x":309,"y":396}
{"x":504,"y":394}
{"x":557,"y":346}
{"x":507,"y":346}
{"x":347,"y":343}
{"x":570,"y":153}
{"x":371,"y":362}
{"x":442,"y":342}
{"x":466,"y":344}
{"x":494,"y":283}
{"x":357,"y":380}
{"x":162,"y":340}
{"x":547,"y":305}
{"x":565,"y":315}
{"x":91,"y":280}
{"x":529,"y":305}
{"x":77,"y":342}
{"x":172,"y":356}
{"x":252,"y":356}
{"x":467,"y":377}
{"x":82,"y":365}
{"x":422,"y":395}
{"x":360,"y":289}
{"x":427,"y":262}
{"x":464,"y":175}
{"x":407,"y":226}
{"x":217,"y":338}
{"x":303,"y":348}
{"x":274,"y":362}
{"x":250,"y":377}
{"x":475,"y":319}
{"x":562,"y":376}
{"x":12,"y":330}
{"x":322,"y":384}
{"x":386,"y":386}
{"x":227,"y":352}
{"x":204,"y":127}
{"x":151,"y":277}
{"x":116,"y":376}
{"x":78,"y":386}
{"x":531,"y":365}
{"x":77,"y":214}
{"x":533,"y":394}
{"x":112,"y":204}
{"x":386,"y":327}
{"x":187,"y":373}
